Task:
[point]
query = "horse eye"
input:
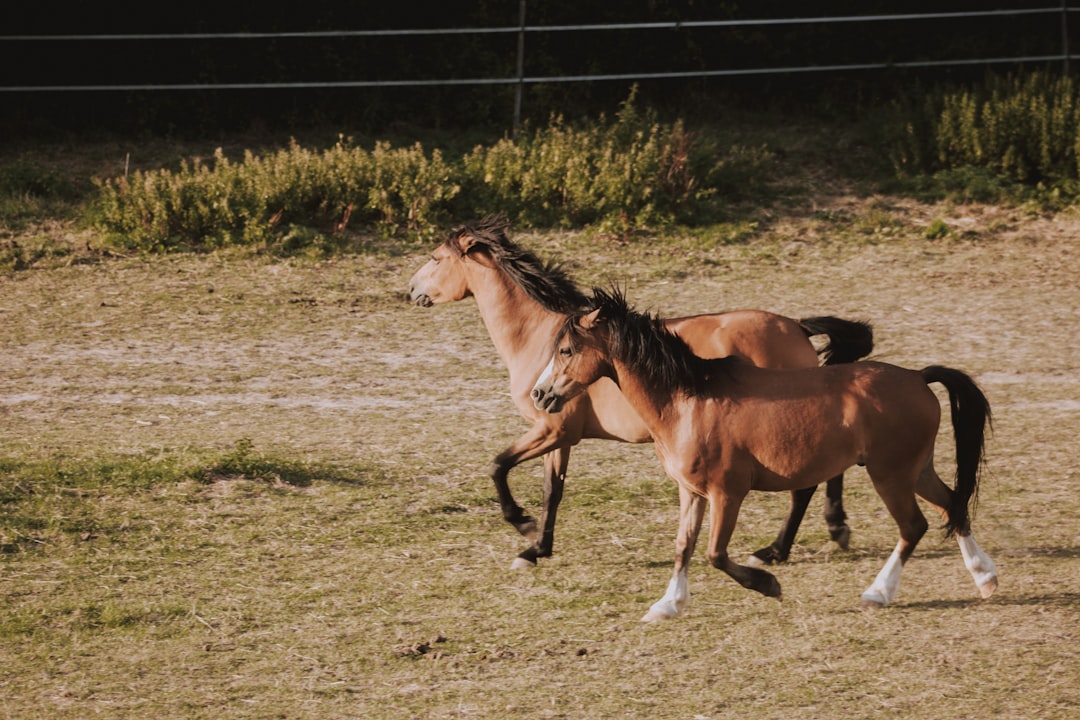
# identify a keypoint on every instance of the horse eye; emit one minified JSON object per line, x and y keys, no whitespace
{"x":566,"y":352}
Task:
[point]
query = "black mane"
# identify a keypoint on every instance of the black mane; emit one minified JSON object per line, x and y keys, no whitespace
{"x":643,"y":342}
{"x":546,"y":283}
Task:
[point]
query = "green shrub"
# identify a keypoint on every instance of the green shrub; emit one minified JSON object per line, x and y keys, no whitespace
{"x":629,"y":173}
{"x":632,"y":172}
{"x":207,"y":205}
{"x":1022,"y":127}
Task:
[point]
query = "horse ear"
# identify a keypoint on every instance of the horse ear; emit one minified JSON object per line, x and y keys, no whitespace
{"x":464,"y":242}
{"x":588,"y":322}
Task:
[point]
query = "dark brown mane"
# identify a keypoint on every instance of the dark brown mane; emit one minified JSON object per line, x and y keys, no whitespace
{"x":546,"y":283}
{"x":643,"y":342}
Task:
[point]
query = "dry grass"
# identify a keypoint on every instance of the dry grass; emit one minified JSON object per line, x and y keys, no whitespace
{"x":241,"y":488}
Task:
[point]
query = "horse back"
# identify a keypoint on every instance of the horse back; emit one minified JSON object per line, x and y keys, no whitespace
{"x":805,"y":426}
{"x":763,"y":338}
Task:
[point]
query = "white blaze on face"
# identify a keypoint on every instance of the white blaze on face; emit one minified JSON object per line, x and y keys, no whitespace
{"x":545,"y":377}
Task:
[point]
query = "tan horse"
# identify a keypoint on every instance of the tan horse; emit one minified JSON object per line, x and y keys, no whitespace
{"x":524,"y":302}
{"x":723,"y":427}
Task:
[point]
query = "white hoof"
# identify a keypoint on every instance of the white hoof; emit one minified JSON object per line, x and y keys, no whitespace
{"x":982,"y":568}
{"x":873,"y":600}
{"x":755,"y":562}
{"x":988,"y":587}
{"x":521,"y":563}
{"x":661,"y":610}
{"x":654,"y":615}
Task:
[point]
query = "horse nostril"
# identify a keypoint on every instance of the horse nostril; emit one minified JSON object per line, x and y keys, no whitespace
{"x":537,"y":393}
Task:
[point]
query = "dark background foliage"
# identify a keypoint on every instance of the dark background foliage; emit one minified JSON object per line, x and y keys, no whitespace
{"x":336,"y":59}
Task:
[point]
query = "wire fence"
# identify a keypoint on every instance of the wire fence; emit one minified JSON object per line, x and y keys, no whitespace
{"x":521,"y":78}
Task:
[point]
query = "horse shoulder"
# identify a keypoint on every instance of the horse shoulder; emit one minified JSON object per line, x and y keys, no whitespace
{"x":607,"y":414}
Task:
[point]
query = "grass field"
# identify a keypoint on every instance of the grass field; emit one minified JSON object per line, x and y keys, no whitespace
{"x":239,"y":487}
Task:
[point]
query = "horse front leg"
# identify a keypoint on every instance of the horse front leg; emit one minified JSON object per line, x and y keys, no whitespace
{"x":725,"y":513}
{"x":511,"y":511}
{"x":677,"y":597}
{"x":780,"y":548}
{"x":555,"y":463}
{"x":835,"y":517}
{"x":539,"y":440}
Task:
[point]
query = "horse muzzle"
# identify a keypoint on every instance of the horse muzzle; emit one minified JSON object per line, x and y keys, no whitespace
{"x":547,"y":400}
{"x":420,"y":299}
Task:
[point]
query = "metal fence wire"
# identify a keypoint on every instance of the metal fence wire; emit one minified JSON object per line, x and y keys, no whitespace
{"x":1058,"y":15}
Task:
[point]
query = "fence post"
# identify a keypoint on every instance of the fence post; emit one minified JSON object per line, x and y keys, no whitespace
{"x":519,"y":88}
{"x":1065,"y":35}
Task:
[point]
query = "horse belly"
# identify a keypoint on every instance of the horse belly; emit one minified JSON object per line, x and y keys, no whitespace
{"x":795,"y":451}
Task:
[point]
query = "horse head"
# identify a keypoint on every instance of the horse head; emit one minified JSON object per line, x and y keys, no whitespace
{"x":579,"y":359}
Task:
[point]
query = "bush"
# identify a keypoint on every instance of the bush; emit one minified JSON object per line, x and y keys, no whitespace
{"x":630,"y":173}
{"x":1022,"y":127}
{"x":208,"y":205}
{"x":633,"y":172}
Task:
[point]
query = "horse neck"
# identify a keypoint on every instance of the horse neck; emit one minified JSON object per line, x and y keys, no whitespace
{"x":521,"y":329}
{"x":655,"y":406}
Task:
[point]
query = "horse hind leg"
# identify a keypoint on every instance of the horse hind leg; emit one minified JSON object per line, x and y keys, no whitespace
{"x":901,"y":504}
{"x":982,"y":568}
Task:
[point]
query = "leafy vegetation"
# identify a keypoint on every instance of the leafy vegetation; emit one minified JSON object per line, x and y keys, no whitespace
{"x":1021,"y":130}
{"x":1011,"y":138}
{"x":628,"y":173}
{"x":207,"y":205}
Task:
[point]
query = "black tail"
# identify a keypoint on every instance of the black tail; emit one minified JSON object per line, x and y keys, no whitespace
{"x":849,"y":340}
{"x":970,"y":418}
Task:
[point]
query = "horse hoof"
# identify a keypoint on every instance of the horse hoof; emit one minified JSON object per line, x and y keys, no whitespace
{"x":988,"y":588}
{"x":872,"y":601}
{"x":842,"y":537}
{"x":766,"y":556}
{"x":521,"y":563}
{"x":663,"y":609}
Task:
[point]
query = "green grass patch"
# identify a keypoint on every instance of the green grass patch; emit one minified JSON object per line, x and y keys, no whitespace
{"x":230,"y":504}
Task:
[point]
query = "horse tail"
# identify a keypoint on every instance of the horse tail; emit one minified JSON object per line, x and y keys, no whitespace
{"x":970,"y":417}
{"x":849,"y":340}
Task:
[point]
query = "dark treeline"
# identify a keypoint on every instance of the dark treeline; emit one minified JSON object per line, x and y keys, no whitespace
{"x":331,"y":59}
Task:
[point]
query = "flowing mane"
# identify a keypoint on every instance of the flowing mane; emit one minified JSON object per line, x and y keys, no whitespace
{"x":643,"y":342}
{"x":546,"y":283}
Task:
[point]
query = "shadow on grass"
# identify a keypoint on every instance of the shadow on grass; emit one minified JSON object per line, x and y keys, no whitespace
{"x":1045,"y":600}
{"x":243,"y":463}
{"x":87,"y":477}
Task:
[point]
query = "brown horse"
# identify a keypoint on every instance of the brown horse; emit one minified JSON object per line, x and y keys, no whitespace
{"x":724,"y":427}
{"x":523,"y":303}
